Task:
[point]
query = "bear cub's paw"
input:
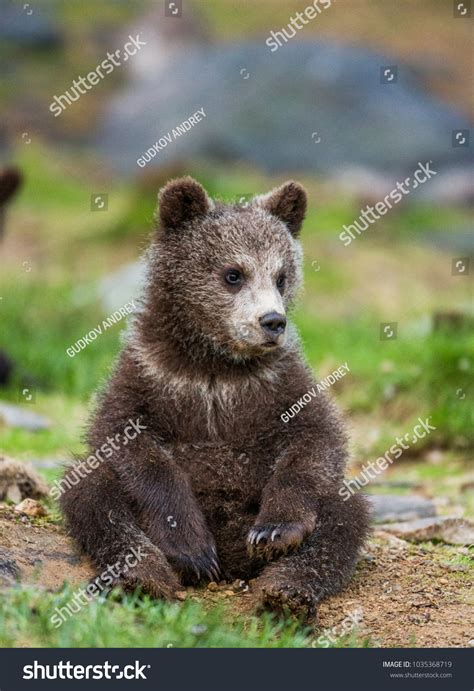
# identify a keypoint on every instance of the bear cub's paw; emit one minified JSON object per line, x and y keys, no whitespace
{"x":189,"y":548}
{"x":272,"y":540}
{"x":151,"y":577}
{"x":195,"y":565}
{"x":284,"y":598}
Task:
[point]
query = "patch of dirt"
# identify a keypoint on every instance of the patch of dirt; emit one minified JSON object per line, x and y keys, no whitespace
{"x":409,"y":595}
{"x":39,"y":552}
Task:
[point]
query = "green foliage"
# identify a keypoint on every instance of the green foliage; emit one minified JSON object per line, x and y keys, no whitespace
{"x":44,"y":319}
{"x":131,"y":622}
{"x":428,"y":373}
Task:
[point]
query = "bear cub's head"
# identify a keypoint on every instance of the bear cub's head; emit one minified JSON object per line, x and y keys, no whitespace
{"x":222,"y":277}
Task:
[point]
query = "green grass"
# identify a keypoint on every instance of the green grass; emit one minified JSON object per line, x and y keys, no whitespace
{"x":131,"y":621}
{"x":427,"y":370}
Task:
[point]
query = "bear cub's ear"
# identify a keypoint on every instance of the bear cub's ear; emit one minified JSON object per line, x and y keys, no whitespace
{"x":180,"y":201}
{"x":288,"y":203}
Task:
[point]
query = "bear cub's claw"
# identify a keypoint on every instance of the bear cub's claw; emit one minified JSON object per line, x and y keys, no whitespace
{"x":193,"y":568}
{"x":271,"y":540}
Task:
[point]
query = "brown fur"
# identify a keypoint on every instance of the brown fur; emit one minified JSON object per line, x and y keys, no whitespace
{"x":10,"y":182}
{"x":216,"y":456}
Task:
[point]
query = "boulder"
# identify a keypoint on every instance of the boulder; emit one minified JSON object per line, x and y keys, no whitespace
{"x":312,"y":105}
{"x":31,"y":507}
{"x":15,"y":416}
{"x":392,"y":507}
{"x":453,"y":531}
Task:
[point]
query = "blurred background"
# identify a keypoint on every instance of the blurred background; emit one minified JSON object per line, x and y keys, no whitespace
{"x":349,"y":105}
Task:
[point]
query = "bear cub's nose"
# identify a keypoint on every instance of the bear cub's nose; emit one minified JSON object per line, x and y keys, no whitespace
{"x":273,"y":324}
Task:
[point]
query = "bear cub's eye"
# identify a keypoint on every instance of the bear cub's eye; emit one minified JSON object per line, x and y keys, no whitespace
{"x":281,"y":282}
{"x":233,"y":277}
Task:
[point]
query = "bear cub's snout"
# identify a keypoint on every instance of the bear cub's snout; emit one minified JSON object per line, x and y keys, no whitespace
{"x":273,"y":325}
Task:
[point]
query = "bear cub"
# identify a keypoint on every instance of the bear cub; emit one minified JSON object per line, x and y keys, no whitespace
{"x":216,"y":485}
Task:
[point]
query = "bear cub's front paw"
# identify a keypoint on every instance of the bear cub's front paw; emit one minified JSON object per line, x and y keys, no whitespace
{"x":189,"y":547}
{"x":195,"y":564}
{"x":271,"y":540}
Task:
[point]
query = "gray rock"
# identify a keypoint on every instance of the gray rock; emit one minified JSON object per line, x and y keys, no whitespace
{"x":311,"y":105}
{"x":451,"y":187}
{"x":9,"y":570}
{"x":391,"y":507}
{"x":458,"y":239}
{"x":47,"y":462}
{"x":14,"y":416}
{"x":453,"y":531}
{"x":27,"y":25}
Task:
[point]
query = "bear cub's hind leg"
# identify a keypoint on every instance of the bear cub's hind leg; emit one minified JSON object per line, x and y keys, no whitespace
{"x":322,"y":565}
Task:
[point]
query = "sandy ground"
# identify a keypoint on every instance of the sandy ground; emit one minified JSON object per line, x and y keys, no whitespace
{"x":404,"y":595}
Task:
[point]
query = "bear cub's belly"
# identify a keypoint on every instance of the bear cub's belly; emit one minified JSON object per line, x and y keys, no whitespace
{"x":223,"y":476}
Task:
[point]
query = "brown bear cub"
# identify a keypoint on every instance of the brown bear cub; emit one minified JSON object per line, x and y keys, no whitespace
{"x":216,"y":485}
